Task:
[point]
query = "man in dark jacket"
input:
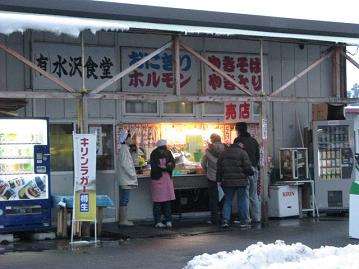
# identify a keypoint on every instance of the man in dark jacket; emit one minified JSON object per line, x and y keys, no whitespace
{"x":233,"y":169}
{"x":250,"y":145}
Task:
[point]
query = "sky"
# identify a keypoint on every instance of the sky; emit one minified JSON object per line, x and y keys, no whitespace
{"x":344,"y":11}
{"x":279,"y":255}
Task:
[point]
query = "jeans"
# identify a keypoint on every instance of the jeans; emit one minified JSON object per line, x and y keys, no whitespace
{"x":213,"y":201}
{"x":124,"y":196}
{"x":158,"y":207}
{"x":242,"y":200}
{"x":254,"y":201}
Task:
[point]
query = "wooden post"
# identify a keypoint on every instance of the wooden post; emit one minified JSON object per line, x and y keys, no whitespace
{"x":177,"y":67}
{"x":336,"y":72}
{"x":264,"y":129}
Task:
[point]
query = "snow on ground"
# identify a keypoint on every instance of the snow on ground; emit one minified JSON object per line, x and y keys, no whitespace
{"x":280,"y":256}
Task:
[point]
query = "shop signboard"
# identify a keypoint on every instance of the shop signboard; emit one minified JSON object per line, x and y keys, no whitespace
{"x":243,"y":68}
{"x":85,"y":177}
{"x":156,"y":75}
{"x":239,"y":111}
{"x":64,"y":62}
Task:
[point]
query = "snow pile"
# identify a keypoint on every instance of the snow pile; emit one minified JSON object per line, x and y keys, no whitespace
{"x":280,"y":256}
{"x":19,"y":22}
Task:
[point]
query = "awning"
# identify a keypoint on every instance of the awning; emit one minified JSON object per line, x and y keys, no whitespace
{"x":11,"y":22}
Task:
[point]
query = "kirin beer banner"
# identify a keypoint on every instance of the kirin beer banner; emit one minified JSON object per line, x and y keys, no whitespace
{"x":85,"y":176}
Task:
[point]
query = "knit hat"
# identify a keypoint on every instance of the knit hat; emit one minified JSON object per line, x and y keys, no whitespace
{"x":215,"y":138}
{"x":122,"y":136}
{"x":161,"y":142}
{"x":241,"y":127}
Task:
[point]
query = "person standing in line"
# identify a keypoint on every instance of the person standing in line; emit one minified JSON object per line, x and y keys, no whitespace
{"x":127,"y":176}
{"x":209,"y":163}
{"x":162,"y":189}
{"x":233,"y":169}
{"x":250,"y":145}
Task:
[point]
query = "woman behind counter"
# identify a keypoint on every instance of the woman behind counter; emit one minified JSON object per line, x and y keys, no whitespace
{"x":162,"y":189}
{"x":209,"y":163}
{"x":126,"y":176}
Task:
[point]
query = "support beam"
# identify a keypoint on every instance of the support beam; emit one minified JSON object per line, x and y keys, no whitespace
{"x":38,"y":95}
{"x":350,"y":59}
{"x":131,"y":68}
{"x":217,"y":98}
{"x":38,"y":69}
{"x":305,"y":71}
{"x":176,"y":65}
{"x":215,"y":68}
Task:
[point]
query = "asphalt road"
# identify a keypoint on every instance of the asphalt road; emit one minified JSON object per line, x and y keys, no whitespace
{"x":172,"y":250}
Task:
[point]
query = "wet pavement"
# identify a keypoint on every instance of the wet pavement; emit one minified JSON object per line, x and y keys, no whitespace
{"x":143,"y":246}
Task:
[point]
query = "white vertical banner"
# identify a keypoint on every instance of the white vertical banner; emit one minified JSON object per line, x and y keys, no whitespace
{"x":85,"y":177}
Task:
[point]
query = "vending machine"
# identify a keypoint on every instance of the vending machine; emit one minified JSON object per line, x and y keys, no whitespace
{"x":24,"y":175}
{"x":333,"y":146}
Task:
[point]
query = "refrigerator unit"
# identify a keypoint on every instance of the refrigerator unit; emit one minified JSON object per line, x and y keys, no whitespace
{"x":293,"y":163}
{"x":24,"y":175}
{"x":333,"y":146}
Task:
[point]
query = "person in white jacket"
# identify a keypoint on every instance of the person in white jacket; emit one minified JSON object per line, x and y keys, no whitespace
{"x":127,"y":177}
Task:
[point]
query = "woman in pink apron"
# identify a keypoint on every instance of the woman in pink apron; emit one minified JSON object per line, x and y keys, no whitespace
{"x":162,"y":190}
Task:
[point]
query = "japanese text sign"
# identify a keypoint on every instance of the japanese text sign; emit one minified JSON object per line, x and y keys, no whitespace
{"x":238,"y":111}
{"x":244,"y":69}
{"x":64,"y":62}
{"x":156,"y":75}
{"x":85,"y":176}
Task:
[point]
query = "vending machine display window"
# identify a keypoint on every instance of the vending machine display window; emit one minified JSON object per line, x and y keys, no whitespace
{"x":335,"y":156}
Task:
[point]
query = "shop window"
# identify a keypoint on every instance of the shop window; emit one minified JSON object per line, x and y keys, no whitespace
{"x":104,"y":147}
{"x":214,"y":109}
{"x":141,"y":107}
{"x":180,"y":107}
{"x":61,"y":147}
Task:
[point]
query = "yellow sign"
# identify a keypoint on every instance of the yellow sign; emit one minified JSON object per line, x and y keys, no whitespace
{"x":85,"y":208}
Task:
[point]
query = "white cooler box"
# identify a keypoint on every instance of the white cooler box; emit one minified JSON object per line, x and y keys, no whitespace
{"x":283,"y":201}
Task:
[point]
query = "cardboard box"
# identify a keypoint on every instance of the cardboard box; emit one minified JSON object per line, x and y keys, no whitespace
{"x":320,"y":111}
{"x":324,"y":111}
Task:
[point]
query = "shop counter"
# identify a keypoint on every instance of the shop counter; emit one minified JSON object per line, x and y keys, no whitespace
{"x":185,"y":182}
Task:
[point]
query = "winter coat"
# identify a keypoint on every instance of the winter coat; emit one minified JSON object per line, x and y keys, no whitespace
{"x":156,"y":167}
{"x":234,"y":167}
{"x":250,"y":145}
{"x":127,"y":177}
{"x":209,"y":159}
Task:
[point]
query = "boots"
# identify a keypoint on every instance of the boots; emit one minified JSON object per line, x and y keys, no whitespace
{"x":123,"y":221}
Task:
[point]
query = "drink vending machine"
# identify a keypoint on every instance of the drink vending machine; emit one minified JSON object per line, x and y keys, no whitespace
{"x":333,"y":146}
{"x":24,"y":175}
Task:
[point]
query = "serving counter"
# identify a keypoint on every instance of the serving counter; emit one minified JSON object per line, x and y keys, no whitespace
{"x":185,"y":182}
